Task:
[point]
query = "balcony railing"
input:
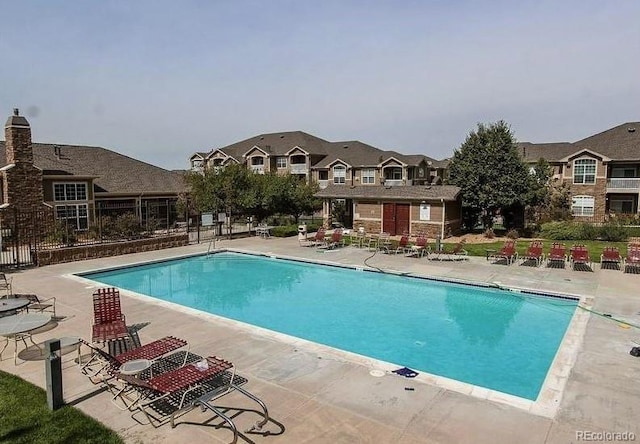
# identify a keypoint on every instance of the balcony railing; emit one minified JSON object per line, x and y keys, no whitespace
{"x":627,"y":184}
{"x":298,"y":168}
{"x":258,"y":169}
{"x":323,"y":184}
{"x":397,"y":182}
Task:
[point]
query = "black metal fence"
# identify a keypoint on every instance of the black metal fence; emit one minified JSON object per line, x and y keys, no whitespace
{"x":23,"y":233}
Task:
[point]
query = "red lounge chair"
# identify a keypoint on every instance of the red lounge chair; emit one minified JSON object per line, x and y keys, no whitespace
{"x":403,"y":245}
{"x":419,"y":248}
{"x":108,"y":320}
{"x":557,"y":254}
{"x":195,"y":385}
{"x":507,"y":252}
{"x":610,"y":255}
{"x":534,"y":253}
{"x":456,"y":253}
{"x":335,"y":240}
{"x":318,"y":239}
{"x":102,"y":365}
{"x":633,"y":257}
{"x":580,"y":256}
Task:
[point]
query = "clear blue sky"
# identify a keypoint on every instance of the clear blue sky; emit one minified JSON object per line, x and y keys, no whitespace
{"x":159,"y":80}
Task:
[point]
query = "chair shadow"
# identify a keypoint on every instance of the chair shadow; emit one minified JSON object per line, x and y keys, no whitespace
{"x":560,"y":265}
{"x":582,"y":267}
{"x":631,"y":269}
{"x":610,"y":266}
{"x":529,"y":263}
{"x":133,"y":341}
{"x":233,"y":413}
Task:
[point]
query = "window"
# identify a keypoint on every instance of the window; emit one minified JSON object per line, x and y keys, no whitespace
{"x":339,"y":174}
{"x":196,"y":164}
{"x":69,"y":191}
{"x":583,"y":205}
{"x":77,"y":216}
{"x":393,"y":173}
{"x":281,"y":162}
{"x":623,"y":172}
{"x":323,"y":175}
{"x":584,"y":171}
{"x":256,"y":161}
{"x":369,"y":176}
{"x":621,"y":206}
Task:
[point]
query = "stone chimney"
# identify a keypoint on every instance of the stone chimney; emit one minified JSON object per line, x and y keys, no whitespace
{"x":17,"y":134}
{"x":22,"y":181}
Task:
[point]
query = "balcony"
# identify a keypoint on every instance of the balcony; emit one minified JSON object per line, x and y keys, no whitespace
{"x":258,"y":169}
{"x":298,"y":168}
{"x":623,"y":185}
{"x":323,"y":184}
{"x":397,"y":182}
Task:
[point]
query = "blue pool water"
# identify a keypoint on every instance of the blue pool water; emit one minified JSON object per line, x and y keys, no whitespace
{"x":489,"y":337}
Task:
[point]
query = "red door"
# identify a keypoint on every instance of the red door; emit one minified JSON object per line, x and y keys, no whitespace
{"x":395,"y":218}
{"x":402,"y":218}
{"x":389,"y":218}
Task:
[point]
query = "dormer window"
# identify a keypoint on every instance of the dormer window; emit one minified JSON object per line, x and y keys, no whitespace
{"x":196,"y":164}
{"x":339,"y":174}
{"x":257,"y":161}
{"x":368,"y":175}
{"x":584,"y":171}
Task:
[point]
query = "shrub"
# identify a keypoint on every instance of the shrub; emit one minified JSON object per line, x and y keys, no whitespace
{"x":613,"y":232}
{"x":561,"y":231}
{"x":513,"y":234}
{"x":284,"y":231}
{"x":489,"y":234}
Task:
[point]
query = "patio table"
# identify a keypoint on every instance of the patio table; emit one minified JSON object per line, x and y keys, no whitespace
{"x":8,"y":306}
{"x":19,"y":327}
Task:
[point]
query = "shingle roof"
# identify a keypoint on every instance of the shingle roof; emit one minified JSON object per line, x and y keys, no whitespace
{"x":277,"y":144}
{"x":433,"y":192}
{"x":354,"y":152}
{"x":532,"y":152}
{"x":114,"y":172}
{"x":621,"y":142}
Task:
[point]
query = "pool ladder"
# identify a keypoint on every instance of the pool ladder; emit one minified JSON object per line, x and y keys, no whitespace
{"x":212,"y":245}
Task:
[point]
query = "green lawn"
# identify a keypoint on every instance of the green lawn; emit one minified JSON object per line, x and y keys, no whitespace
{"x":595,"y":247}
{"x":26,"y":418}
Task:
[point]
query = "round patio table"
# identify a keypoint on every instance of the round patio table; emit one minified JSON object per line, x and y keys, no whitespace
{"x":19,"y":327}
{"x":13,"y":304}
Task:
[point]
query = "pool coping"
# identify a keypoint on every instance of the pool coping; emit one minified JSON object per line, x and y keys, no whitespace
{"x":550,"y":394}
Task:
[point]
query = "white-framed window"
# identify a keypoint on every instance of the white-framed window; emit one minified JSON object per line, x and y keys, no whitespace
{"x":281,"y":162}
{"x":583,"y":205}
{"x":339,"y":174}
{"x":369,"y":175}
{"x":584,"y":171}
{"x":197,"y":164}
{"x":69,"y":191}
{"x":77,"y":216}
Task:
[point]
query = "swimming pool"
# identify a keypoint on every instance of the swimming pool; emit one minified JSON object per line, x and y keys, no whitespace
{"x":498,"y":339}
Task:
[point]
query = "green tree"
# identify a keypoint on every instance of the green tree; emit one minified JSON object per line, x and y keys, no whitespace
{"x":490,"y":173}
{"x":539,"y":191}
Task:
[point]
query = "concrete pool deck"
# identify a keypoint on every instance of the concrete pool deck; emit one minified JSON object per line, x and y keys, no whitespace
{"x":322,"y":395}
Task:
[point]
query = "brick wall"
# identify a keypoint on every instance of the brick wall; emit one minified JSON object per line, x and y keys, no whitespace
{"x":598,"y":191}
{"x":80,"y":253}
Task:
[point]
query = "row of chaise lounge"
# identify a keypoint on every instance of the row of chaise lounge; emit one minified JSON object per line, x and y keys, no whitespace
{"x":160,"y":380}
{"x":576,"y":255}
